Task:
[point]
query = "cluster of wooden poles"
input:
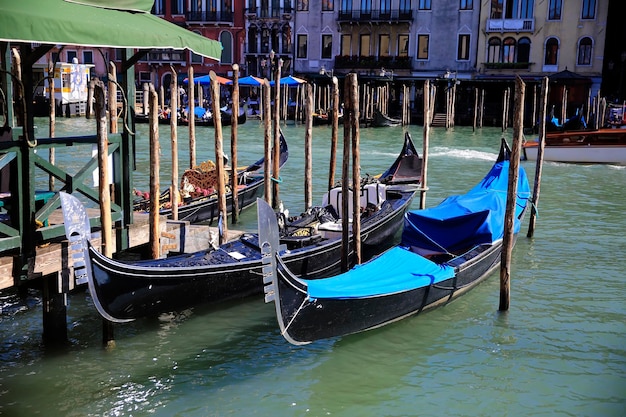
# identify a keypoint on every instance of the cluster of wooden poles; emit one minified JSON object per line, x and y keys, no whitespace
{"x":350,"y":154}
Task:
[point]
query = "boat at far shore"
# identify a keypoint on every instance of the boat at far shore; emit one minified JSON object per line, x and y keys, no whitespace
{"x":602,"y":146}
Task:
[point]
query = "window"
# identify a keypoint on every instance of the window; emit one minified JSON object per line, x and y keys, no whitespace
{"x":328,"y":5}
{"x":512,"y":9}
{"x":178,"y":6}
{"x":466,"y":5}
{"x":497,"y":6}
{"x":251,"y":6}
{"x":227,"y":44}
{"x":346,"y":45}
{"x":385,"y":7}
{"x":554,"y":9}
{"x":584,"y":51}
{"x":589,"y":9}
{"x":403,"y":45}
{"x":422,"y":46}
{"x":227,"y":6}
{"x":383,"y":45}
{"x":463,"y":50}
{"x":424,"y":5}
{"x":158,"y":7}
{"x":302,"y":46}
{"x":494,"y":49}
{"x":252,"y":40}
{"x":346,"y":6}
{"x":302,"y":6}
{"x":87,"y":57}
{"x":552,"y":51}
{"x":71,"y":55}
{"x":366,"y":6}
{"x":508,"y":50}
{"x":523,"y":50}
{"x":327,"y":46}
{"x":364,"y":47}
{"x":405,"y":6}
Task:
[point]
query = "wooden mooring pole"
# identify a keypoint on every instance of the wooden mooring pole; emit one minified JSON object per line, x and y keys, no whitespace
{"x":191,"y":118}
{"x":154,"y":174}
{"x":426,"y":138}
{"x":104,"y":193}
{"x":334,"y":134}
{"x":308,"y":149}
{"x":508,"y":239}
{"x":219,"y":158}
{"x":267,"y":140}
{"x":543,"y":106}
{"x":174,"y":194}
{"x":234,"y":178}
{"x":276,"y":150}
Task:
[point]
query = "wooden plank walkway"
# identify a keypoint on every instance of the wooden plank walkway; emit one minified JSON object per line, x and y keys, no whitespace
{"x":50,"y":257}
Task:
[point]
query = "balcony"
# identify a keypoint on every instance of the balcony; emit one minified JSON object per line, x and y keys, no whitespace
{"x":166,"y":56}
{"x":272,"y":13}
{"x":372,"y":62}
{"x":210,"y":17}
{"x":511,"y":25}
{"x":369,"y":15}
{"x":507,"y":65}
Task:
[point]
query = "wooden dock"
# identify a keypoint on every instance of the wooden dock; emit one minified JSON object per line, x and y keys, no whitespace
{"x":50,"y":257}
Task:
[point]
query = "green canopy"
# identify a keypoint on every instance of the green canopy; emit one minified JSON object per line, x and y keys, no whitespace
{"x":98,"y":23}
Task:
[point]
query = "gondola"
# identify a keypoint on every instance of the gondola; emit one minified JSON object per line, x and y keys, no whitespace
{"x":226,"y":119}
{"x":123,"y":291}
{"x":444,"y":251}
{"x":382,"y":120}
{"x":204,"y":208}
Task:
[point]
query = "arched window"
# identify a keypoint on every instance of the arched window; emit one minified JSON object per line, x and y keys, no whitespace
{"x":227,"y":44}
{"x":252,"y":40}
{"x":552,"y":51}
{"x":508,"y":50}
{"x":494,"y":50}
{"x":584,"y":51}
{"x":523,"y":50}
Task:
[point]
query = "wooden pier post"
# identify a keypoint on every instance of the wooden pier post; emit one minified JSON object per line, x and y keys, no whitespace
{"x":276,"y":150}
{"x":353,"y":91}
{"x":334,"y":134}
{"x":234,"y":178}
{"x":543,"y":106}
{"x":104,"y":193}
{"x":482,"y":108}
{"x":155,"y":184}
{"x":508,"y":239}
{"x":475,"y":109}
{"x":174,"y":193}
{"x":267,"y":140}
{"x":426,"y":138}
{"x":52,"y":122}
{"x":191,"y":118}
{"x":308,"y":150}
{"x":219,"y":158}
{"x":348,"y":115}
{"x":146,"y":99}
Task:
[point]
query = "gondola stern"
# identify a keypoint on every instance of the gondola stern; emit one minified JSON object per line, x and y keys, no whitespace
{"x":78,"y":233}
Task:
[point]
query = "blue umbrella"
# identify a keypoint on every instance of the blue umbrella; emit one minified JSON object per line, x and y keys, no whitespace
{"x":290,"y":81}
{"x":250,"y":81}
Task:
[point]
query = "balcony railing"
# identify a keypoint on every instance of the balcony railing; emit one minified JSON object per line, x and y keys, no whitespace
{"x":369,"y":15}
{"x":373,"y":62}
{"x":511,"y":25}
{"x":211,"y":17}
{"x":165,"y":56}
{"x":507,"y":65}
{"x":272,"y":13}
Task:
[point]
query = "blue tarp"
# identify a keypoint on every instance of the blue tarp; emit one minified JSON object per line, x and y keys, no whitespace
{"x":458,"y":222}
{"x":462,"y":221}
{"x":394,"y":271}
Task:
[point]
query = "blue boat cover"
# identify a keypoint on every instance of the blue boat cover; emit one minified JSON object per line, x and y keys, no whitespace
{"x":462,"y":221}
{"x":459,"y":222}
{"x":396,"y":270}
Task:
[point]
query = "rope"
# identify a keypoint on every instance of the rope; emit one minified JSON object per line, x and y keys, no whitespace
{"x":124,"y":107}
{"x":30,"y":144}
{"x":279,"y":180}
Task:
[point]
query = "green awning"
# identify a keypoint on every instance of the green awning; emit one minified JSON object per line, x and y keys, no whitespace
{"x":118,"y":24}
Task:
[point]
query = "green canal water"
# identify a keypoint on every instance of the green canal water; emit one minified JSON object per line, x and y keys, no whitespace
{"x":559,"y":351}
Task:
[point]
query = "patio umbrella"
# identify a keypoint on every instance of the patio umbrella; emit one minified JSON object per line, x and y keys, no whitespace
{"x":291,"y":81}
{"x":249,"y":81}
{"x":206,"y":80}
